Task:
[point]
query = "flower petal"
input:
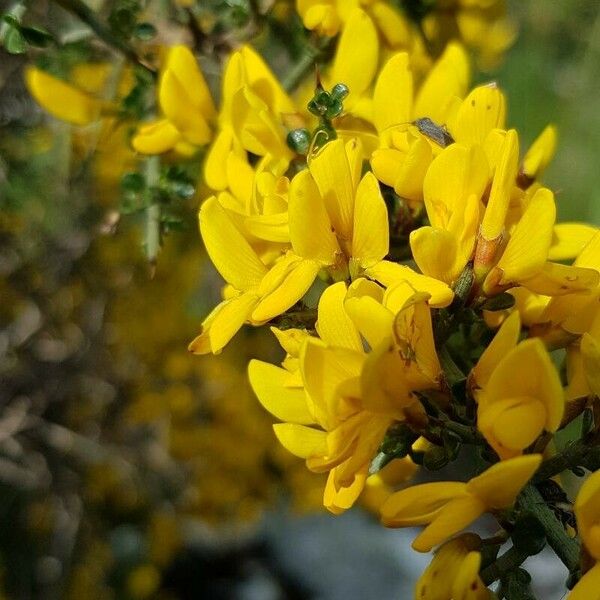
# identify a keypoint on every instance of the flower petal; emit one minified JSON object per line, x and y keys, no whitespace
{"x":311,"y":233}
{"x":334,"y":326}
{"x":285,"y":403}
{"x":355,"y":64}
{"x":454,"y":517}
{"x":499,"y":486}
{"x":229,"y":251}
{"x":370,"y":238}
{"x":301,"y":441}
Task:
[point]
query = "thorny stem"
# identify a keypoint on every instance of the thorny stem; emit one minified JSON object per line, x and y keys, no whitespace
{"x":565,"y":547}
{"x":88,"y":16}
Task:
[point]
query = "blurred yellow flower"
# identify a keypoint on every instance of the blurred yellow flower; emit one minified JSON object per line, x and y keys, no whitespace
{"x":187,"y":106}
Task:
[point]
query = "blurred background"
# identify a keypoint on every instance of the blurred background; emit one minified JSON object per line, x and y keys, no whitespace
{"x":130,"y":469}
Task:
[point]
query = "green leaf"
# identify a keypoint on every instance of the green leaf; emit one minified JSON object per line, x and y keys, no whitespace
{"x":36,"y":36}
{"x":11,"y":20}
{"x":14,"y":42}
{"x":503,"y":301}
{"x":133,"y":182}
{"x":144,"y":31}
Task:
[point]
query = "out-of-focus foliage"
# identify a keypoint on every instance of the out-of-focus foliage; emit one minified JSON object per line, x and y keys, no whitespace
{"x":121,"y":454}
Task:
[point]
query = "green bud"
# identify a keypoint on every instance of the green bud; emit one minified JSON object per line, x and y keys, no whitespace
{"x":339,"y":91}
{"x":299,"y":140}
{"x":528,"y":534}
{"x":334,"y":109}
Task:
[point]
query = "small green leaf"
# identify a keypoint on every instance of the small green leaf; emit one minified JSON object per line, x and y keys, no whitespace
{"x":11,"y":20}
{"x":36,"y":36}
{"x":528,"y":534}
{"x":133,"y":182}
{"x":144,"y":31}
{"x":14,"y":42}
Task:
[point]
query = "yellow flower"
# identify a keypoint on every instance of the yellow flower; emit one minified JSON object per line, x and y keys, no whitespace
{"x":187,"y":106}
{"x":509,"y":244}
{"x":405,"y":153}
{"x":453,"y":573}
{"x":520,"y":393}
{"x":249,"y":278}
{"x":448,"y":507}
{"x":62,"y":100}
{"x":565,"y":317}
{"x":587,"y":512}
{"x":328,"y":17}
{"x":251,"y":119}
{"x":481,"y":24}
{"x":352,"y":397}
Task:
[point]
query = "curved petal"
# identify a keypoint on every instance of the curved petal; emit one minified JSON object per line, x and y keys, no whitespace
{"x":454,"y":517}
{"x":63,"y":101}
{"x":389,"y":273}
{"x":355,"y":63}
{"x":301,"y":441}
{"x":420,"y":504}
{"x":285,"y":403}
{"x":229,"y":251}
{"x":334,"y":178}
{"x":528,"y":246}
{"x":447,"y":80}
{"x":334,"y":326}
{"x":392,"y":98}
{"x":311,"y":233}
{"x":499,"y":486}
{"x":156,"y":137}
{"x":370,"y":238}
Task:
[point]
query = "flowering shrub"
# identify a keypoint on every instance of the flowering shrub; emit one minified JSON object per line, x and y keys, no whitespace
{"x":383,"y":219}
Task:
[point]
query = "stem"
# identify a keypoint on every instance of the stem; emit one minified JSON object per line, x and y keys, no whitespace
{"x":300,"y":69}
{"x":584,"y":452}
{"x":152,"y":237}
{"x":566,"y":548}
{"x":88,"y":16}
{"x":509,"y":561}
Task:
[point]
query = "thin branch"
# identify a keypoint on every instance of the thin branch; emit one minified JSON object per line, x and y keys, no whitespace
{"x":88,"y":16}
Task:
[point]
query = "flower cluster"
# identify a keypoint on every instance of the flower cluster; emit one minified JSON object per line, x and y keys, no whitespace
{"x":387,"y":225}
{"x":384,"y":244}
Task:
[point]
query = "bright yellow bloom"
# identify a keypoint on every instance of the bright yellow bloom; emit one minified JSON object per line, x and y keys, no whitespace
{"x":251,"y":119}
{"x":587,"y":512}
{"x":62,"y":100}
{"x":187,"y":106}
{"x":572,"y":315}
{"x":520,"y":393}
{"x":448,"y":507}
{"x":509,"y":246}
{"x":405,"y":153}
{"x":352,"y":397}
{"x":453,"y":573}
